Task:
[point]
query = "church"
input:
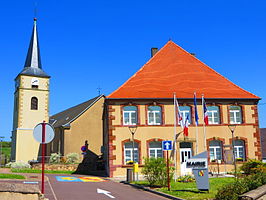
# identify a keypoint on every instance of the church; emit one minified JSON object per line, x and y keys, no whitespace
{"x":130,"y":123}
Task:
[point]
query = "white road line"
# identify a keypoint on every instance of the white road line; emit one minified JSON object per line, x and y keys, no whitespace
{"x":51,"y":188}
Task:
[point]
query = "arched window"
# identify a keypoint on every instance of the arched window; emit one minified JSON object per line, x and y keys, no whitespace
{"x":154,"y":115}
{"x":155,"y":149}
{"x":213,"y":115}
{"x":128,"y":152}
{"x":215,"y":147}
{"x":34,"y":103}
{"x":130,"y":115}
{"x":239,"y":146}
{"x":235,"y":115}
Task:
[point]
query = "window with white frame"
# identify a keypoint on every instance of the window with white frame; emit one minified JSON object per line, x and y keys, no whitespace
{"x":213,"y":115}
{"x":215,"y":148}
{"x":155,"y":149}
{"x":130,"y":115}
{"x":185,"y":111}
{"x":235,"y":115}
{"x":154,"y":115}
{"x":239,"y":147}
{"x":128,"y":152}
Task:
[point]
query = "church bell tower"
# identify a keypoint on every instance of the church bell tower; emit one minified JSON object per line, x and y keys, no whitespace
{"x":31,"y":103}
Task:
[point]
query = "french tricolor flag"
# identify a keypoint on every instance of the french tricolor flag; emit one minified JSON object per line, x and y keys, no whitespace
{"x":178,"y":116}
{"x":205,"y":112}
{"x":186,"y":126}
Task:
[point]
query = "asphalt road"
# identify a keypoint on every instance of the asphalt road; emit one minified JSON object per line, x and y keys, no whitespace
{"x":107,"y":190}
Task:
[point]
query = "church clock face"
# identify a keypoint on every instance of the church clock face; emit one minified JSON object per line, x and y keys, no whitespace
{"x":35,"y":81}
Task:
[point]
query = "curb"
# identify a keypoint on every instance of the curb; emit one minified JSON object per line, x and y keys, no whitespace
{"x":152,"y":191}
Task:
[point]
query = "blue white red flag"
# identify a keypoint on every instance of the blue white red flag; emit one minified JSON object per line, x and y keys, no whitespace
{"x":179,"y":115}
{"x":195,"y":110}
{"x":186,"y":126}
{"x":205,"y":112}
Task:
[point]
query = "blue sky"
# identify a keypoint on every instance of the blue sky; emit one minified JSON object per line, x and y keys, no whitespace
{"x":90,"y":44}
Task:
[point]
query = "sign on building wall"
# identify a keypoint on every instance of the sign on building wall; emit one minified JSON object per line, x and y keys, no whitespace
{"x":228,"y":156}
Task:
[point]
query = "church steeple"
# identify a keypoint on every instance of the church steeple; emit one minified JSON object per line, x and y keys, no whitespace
{"x":33,"y":65}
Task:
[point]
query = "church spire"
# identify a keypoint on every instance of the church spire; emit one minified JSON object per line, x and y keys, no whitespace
{"x":33,"y":65}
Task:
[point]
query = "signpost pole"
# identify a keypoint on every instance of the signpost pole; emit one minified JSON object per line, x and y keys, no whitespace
{"x":43,"y":154}
{"x":168,"y":176}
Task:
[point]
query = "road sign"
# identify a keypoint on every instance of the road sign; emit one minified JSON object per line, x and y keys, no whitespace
{"x":167,"y":145}
{"x":49,"y":133}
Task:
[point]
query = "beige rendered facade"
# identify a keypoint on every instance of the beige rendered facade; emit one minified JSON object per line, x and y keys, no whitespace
{"x":24,"y":146}
{"x":119,"y":134}
{"x":76,"y":125}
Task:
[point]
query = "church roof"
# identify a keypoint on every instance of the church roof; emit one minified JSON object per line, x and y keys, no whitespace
{"x":67,"y":116}
{"x":33,"y":65}
{"x":174,"y":70}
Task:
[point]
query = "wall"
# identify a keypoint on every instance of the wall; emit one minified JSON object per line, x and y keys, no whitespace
{"x":25,"y":119}
{"x":118,"y":133}
{"x":88,"y":126}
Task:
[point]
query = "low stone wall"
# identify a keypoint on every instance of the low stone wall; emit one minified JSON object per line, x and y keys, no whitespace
{"x":19,"y":191}
{"x":65,"y":167}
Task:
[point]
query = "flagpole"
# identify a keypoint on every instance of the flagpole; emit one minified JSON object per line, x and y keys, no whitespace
{"x":197,"y":132}
{"x":204,"y":127}
{"x":174,"y":145}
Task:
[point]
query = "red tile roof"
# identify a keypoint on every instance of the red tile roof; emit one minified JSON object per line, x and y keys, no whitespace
{"x":172,"y":69}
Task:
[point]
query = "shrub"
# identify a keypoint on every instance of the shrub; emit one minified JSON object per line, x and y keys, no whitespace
{"x":253,"y":167}
{"x":155,"y":171}
{"x":233,"y":190}
{"x":72,"y":157}
{"x":54,"y":158}
{"x":18,"y":165}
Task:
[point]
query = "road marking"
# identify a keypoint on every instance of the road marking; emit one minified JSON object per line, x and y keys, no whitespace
{"x":79,"y":179}
{"x":31,"y":182}
{"x":100,"y":191}
{"x":51,"y":189}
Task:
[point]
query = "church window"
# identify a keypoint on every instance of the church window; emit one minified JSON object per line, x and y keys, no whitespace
{"x":34,"y":103}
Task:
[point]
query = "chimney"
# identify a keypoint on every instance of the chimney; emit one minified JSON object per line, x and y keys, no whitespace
{"x":153,"y":51}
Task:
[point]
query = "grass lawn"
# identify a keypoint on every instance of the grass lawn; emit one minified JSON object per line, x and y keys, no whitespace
{"x":189,"y":191}
{"x":40,"y":171}
{"x":11,"y":176}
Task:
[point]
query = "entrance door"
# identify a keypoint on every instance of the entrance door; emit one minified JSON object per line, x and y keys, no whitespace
{"x":185,"y":154}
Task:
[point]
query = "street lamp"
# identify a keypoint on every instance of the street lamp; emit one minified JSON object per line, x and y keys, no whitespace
{"x":1,"y":137}
{"x":232,"y":128}
{"x":133,"y":130}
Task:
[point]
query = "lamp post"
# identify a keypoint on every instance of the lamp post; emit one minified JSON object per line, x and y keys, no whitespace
{"x":232,"y":128}
{"x":133,"y":130}
{"x":1,"y":137}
